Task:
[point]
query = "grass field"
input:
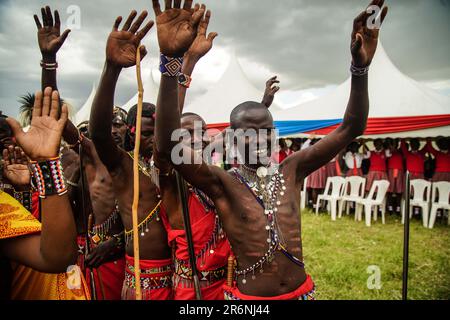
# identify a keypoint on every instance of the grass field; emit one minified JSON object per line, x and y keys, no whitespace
{"x":337,"y":255}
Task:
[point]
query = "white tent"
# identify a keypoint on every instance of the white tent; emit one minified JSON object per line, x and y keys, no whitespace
{"x":232,"y":89}
{"x":392,"y":94}
{"x":85,"y":112}
{"x":150,"y":91}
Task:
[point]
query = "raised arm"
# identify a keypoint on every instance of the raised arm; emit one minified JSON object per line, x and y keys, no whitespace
{"x":363,"y":46}
{"x":201,"y":46}
{"x":121,"y":49}
{"x":271,"y":90}
{"x":50,"y":41}
{"x":55,"y":247}
{"x":174,"y":41}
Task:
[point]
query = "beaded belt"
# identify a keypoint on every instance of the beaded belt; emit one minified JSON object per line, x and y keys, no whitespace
{"x":183,"y":275}
{"x":151,"y":278}
{"x":307,"y":296}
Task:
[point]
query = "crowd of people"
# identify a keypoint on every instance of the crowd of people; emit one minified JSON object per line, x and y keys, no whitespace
{"x":389,"y":159}
{"x":70,"y":204}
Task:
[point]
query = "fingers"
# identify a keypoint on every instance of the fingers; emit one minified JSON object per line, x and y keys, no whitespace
{"x":38,"y":23}
{"x":143,"y":32}
{"x":46,"y":101}
{"x":137,"y":24}
{"x":212,"y":36}
{"x":177,"y":4}
{"x":203,"y":26}
{"x":187,"y":4}
{"x":49,"y":16}
{"x":156,"y":7}
{"x":57,"y":20}
{"x":143,"y":51}
{"x":130,"y":19}
{"x":23,"y":157}
{"x":54,"y":107}
{"x":37,"y":107}
{"x":64,"y":35}
{"x":44,"y":17}
{"x":356,"y":45}
{"x":15,"y":127}
{"x":384,"y":14}
{"x":5,"y":155}
{"x":11,"y":155}
{"x":117,"y":23}
{"x":17,"y":156}
{"x":168,"y":4}
{"x":196,"y":17}
{"x":64,"y":115}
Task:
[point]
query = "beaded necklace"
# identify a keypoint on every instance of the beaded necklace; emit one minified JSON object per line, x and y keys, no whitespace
{"x":267,"y":191}
{"x":143,"y":226}
{"x":103,"y":228}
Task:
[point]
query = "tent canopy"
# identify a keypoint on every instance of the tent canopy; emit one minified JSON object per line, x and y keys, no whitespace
{"x":232,"y":89}
{"x":85,"y":112}
{"x":396,"y":102}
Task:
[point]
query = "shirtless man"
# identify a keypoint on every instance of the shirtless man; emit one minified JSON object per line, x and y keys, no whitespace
{"x":107,"y":256}
{"x":260,"y":213}
{"x":155,"y":254}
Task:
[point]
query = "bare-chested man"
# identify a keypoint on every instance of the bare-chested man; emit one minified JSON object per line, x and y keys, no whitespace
{"x":260,"y":212}
{"x":155,"y":254}
{"x":106,"y":235}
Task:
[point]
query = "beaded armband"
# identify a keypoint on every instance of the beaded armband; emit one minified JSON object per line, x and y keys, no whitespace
{"x":49,"y":66}
{"x":357,"y":71}
{"x":170,"y":67}
{"x":24,"y":197}
{"x":49,"y":177}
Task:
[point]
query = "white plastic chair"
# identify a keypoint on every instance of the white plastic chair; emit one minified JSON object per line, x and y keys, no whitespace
{"x":357,"y":186}
{"x":369,"y":203}
{"x":421,"y":190}
{"x":443,"y":189}
{"x":336,"y":184}
{"x":303,"y":195}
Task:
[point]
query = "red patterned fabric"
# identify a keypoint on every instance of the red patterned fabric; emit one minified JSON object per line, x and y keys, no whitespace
{"x":203,"y":224}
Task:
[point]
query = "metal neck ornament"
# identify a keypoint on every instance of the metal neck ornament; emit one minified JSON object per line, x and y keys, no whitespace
{"x":268,"y":190}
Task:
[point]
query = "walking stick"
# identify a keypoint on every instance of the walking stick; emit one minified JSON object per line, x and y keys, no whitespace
{"x":134,"y":214}
{"x":181,"y":185}
{"x":85,"y":221}
{"x":406,"y":239}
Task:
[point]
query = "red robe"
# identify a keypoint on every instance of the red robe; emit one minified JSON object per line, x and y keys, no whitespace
{"x":211,"y":246}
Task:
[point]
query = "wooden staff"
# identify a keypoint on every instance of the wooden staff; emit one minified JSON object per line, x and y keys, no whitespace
{"x":137,"y":145}
{"x":181,"y":184}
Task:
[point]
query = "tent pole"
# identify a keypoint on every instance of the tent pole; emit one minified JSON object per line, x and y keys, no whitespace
{"x":406,"y":239}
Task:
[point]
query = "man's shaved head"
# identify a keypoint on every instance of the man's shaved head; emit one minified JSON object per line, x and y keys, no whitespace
{"x":250,"y":112}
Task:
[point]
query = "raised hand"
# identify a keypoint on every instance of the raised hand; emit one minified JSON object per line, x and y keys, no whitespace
{"x":49,"y":35}
{"x":43,"y":139}
{"x":122,"y":45}
{"x":365,"y":39}
{"x":202,"y":43}
{"x":271,"y":90}
{"x":15,"y":167}
{"x":177,"y":27}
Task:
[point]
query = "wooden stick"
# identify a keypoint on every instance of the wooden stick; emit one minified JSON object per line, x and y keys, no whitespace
{"x":137,"y":268}
{"x":230,"y":273}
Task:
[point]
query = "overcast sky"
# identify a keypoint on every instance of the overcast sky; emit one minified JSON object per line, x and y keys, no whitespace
{"x":305,"y":42}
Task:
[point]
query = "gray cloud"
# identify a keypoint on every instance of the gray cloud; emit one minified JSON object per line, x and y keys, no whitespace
{"x":304,"y":41}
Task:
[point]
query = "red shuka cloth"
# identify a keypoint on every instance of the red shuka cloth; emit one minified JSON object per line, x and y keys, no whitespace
{"x":112,"y":275}
{"x":202,"y":225}
{"x":305,"y":288}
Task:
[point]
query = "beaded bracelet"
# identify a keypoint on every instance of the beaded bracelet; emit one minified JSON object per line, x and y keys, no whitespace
{"x":170,"y":67}
{"x":49,"y":66}
{"x":358,"y":71}
{"x":24,"y":197}
{"x":49,"y":177}
{"x":184,"y":80}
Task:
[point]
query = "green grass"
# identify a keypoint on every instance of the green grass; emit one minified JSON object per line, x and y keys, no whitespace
{"x":338,"y":253}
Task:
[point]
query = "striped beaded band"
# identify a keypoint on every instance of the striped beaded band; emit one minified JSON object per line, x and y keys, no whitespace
{"x":49,"y":177}
{"x":358,"y":71}
{"x":170,"y":67}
